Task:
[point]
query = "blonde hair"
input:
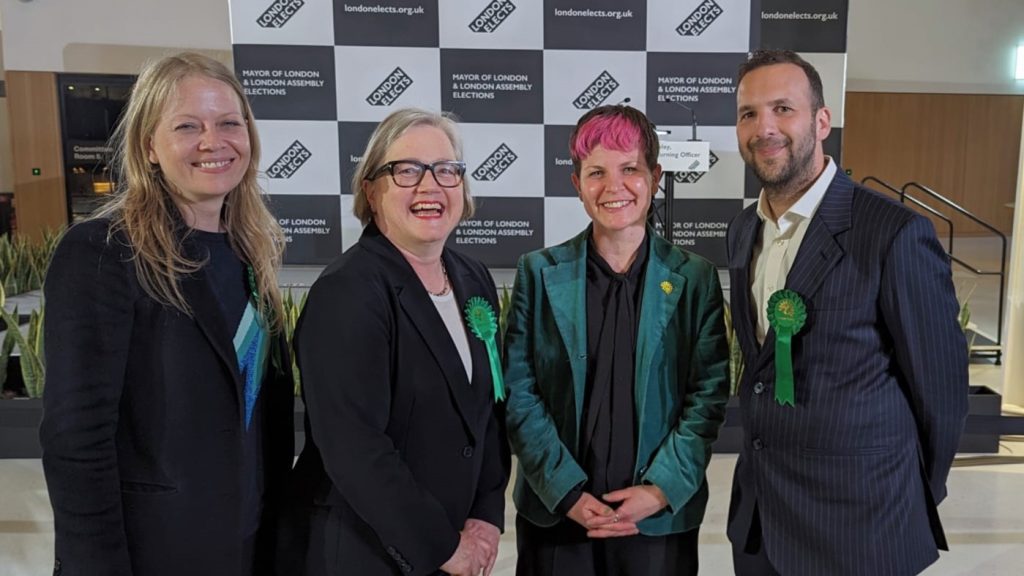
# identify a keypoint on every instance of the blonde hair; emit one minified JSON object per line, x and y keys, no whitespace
{"x":387,"y":132}
{"x":143,"y":208}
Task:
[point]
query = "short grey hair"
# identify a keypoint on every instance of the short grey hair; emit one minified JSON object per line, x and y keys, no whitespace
{"x":387,"y":132}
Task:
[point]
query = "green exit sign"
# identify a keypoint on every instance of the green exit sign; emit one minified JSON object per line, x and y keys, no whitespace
{"x":37,"y":172}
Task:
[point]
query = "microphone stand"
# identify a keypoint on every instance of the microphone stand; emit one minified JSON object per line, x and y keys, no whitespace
{"x":670,"y":181}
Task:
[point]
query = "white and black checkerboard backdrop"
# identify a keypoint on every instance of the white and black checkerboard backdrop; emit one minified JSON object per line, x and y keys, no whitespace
{"x":519,"y":73}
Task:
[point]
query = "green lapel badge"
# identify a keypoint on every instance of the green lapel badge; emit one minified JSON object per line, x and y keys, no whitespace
{"x":786,"y":314}
{"x":484,"y":324}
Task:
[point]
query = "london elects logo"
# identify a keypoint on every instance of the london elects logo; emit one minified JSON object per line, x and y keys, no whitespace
{"x":289,"y":163}
{"x":279,"y":13}
{"x":496,"y":12}
{"x":692,"y":177}
{"x":700,"y":19}
{"x":495,"y":164}
{"x":597,"y":92}
{"x":390,"y":89}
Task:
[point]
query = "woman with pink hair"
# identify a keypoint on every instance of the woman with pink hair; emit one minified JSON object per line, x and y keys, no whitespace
{"x":617,"y":369}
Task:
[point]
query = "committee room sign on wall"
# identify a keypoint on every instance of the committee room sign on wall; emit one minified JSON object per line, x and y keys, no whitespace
{"x":321,"y":73}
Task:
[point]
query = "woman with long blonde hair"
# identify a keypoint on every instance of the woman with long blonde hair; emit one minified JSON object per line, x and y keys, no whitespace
{"x":167,"y":431}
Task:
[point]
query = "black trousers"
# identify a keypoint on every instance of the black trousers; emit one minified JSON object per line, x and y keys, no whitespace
{"x":305,"y":550}
{"x":565,"y":549}
{"x":750,"y":559}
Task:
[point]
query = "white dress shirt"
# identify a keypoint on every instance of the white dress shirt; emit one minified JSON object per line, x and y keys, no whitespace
{"x":449,"y":312}
{"x":780,"y":241}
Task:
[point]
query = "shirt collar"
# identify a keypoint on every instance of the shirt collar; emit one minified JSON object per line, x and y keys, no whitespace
{"x":807,"y":204}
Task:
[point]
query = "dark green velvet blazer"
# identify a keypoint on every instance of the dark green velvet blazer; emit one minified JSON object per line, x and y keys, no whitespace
{"x":681,"y":383}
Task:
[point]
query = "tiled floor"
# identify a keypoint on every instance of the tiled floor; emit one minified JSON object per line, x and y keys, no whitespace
{"x":983,"y":515}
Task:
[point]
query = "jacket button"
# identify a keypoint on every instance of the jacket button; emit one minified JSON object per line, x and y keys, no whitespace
{"x":758,"y":387}
{"x":758,"y":444}
{"x":467,"y":452}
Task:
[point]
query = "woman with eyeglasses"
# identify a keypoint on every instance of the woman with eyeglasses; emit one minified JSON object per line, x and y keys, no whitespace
{"x":405,"y":463}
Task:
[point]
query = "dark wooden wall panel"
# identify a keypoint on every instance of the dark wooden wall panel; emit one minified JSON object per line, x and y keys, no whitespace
{"x":40,"y":201}
{"x":964,"y":146}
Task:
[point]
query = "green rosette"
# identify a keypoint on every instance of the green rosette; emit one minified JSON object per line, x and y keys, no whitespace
{"x":787,"y":314}
{"x":483,"y":323}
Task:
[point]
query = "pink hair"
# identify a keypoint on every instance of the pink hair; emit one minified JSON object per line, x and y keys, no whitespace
{"x":613,"y":132}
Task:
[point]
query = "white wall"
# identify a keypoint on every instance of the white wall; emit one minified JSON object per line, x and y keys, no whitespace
{"x":1013,"y":352}
{"x":941,"y":46}
{"x":107,"y":36}
{"x":894,"y":45}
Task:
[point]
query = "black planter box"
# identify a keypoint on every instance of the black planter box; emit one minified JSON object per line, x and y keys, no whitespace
{"x":19,"y":428}
{"x":300,"y":428}
{"x":730,"y":435}
{"x":983,"y":403}
{"x":20,"y":417}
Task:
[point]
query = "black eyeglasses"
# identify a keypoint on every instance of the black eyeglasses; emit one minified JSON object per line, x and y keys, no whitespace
{"x":409,"y":173}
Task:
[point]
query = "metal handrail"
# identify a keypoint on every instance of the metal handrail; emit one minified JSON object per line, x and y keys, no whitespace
{"x":1001,"y":273}
{"x":960,"y":209}
{"x":918,"y":203}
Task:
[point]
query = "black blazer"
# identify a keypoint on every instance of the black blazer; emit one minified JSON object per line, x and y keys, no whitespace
{"x":847,"y":481}
{"x":400,"y":448}
{"x":143,"y":421}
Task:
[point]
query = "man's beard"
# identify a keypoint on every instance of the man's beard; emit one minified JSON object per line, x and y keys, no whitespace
{"x":794,"y":168}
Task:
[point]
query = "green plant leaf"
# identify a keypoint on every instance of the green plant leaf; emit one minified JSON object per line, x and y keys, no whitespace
{"x":735,"y":353}
{"x":292,"y":311}
{"x":504,"y":306}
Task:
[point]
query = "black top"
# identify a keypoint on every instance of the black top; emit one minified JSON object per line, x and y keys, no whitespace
{"x":227,"y":277}
{"x":226,"y":273}
{"x":608,"y":436}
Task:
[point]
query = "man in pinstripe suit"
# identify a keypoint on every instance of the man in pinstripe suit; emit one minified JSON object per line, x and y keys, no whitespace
{"x":845,"y":479}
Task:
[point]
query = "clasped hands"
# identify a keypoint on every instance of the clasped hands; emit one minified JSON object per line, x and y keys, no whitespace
{"x":477,"y":550}
{"x":603,"y":521}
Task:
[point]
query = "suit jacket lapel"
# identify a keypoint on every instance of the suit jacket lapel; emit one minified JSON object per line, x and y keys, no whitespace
{"x":465,"y":286}
{"x":661,"y":292}
{"x":420,"y":309}
{"x":820,"y":249}
{"x":565,"y":285}
{"x":741,"y":263}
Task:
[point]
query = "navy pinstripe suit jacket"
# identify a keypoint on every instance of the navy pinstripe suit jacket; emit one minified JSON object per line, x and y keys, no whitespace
{"x":847,"y":481}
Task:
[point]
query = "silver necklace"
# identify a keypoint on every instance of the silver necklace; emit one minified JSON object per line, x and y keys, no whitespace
{"x":447,"y":285}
